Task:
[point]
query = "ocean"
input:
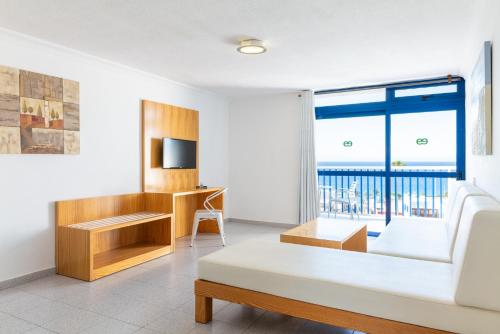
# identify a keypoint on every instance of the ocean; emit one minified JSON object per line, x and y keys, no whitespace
{"x":374,"y":185}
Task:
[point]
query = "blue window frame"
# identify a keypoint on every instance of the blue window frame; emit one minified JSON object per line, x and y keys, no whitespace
{"x":431,"y":95}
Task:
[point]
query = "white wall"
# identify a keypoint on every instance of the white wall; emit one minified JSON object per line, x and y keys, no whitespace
{"x":264,"y":158}
{"x":485,"y":26}
{"x":109,"y":162}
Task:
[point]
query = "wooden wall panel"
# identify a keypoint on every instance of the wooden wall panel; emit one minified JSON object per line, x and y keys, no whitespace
{"x":162,"y":120}
{"x":158,"y":202}
{"x":158,"y":121}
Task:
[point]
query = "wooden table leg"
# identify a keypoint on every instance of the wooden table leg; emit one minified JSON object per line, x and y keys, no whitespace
{"x":203,"y":311}
{"x":357,"y":242}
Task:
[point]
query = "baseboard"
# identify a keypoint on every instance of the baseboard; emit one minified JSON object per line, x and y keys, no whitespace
{"x":10,"y":283}
{"x":47,"y":272}
{"x":257,"y":222}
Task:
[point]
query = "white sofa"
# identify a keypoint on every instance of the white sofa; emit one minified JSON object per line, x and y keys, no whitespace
{"x":462,"y":296}
{"x":424,"y":238}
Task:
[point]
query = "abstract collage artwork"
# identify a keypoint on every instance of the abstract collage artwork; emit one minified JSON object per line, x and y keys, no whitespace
{"x":39,"y":114}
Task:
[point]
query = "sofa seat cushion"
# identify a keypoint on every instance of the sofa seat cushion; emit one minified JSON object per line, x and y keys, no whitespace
{"x":414,"y":239}
{"x":407,"y":290}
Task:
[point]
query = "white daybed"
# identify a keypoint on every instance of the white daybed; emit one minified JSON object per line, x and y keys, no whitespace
{"x":424,"y":238}
{"x":368,"y":292}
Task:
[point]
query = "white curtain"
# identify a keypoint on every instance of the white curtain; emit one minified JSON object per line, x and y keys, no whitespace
{"x":309,"y":195}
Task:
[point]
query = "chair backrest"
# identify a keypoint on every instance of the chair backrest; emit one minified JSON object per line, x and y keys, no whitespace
{"x":476,"y":268}
{"x":453,"y":220}
{"x":352,"y":190}
{"x":210,"y":197}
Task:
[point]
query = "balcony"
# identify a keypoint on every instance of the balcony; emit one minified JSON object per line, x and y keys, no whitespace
{"x":410,"y":195}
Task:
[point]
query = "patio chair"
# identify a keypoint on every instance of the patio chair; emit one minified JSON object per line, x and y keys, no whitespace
{"x":345,"y":196}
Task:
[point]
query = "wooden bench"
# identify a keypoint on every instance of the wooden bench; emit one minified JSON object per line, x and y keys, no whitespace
{"x":98,"y":236}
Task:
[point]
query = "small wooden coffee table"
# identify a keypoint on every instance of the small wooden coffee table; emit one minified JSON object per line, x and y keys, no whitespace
{"x":330,"y":233}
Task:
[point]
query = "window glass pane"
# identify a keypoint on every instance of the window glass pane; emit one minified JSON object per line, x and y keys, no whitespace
{"x":424,"y":141}
{"x":426,"y":91}
{"x":354,"y":143}
{"x":362,"y":96}
{"x":351,"y":154}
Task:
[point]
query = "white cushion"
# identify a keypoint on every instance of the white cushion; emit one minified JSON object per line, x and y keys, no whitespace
{"x":425,"y":238}
{"x":415,"y":240}
{"x":407,"y":290}
{"x":476,"y":256}
{"x":453,"y":187}
{"x":453,"y":220}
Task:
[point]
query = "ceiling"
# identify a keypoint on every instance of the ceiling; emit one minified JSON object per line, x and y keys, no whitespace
{"x":312,"y":43}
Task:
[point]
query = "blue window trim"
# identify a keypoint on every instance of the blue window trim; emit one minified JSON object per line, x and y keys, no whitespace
{"x":404,"y":105}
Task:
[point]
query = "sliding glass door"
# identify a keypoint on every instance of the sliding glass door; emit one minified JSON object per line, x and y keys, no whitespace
{"x":347,"y":150}
{"x":397,"y":146}
{"x":421,"y":143}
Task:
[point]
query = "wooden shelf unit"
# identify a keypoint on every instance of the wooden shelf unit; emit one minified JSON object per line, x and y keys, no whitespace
{"x":96,"y":237}
{"x":124,"y":253}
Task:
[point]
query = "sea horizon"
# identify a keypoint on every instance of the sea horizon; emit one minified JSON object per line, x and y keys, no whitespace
{"x":382,"y":163}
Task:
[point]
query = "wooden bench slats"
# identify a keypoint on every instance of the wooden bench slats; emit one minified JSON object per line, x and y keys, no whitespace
{"x":100,"y":223}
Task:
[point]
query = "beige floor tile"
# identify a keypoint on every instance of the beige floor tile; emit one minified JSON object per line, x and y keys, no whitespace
{"x":173,"y":322}
{"x":152,"y":298}
{"x":12,"y":325}
{"x":239,"y":315}
{"x":111,"y":326}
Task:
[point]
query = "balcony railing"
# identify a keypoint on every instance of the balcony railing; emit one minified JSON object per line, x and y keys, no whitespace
{"x":422,"y":196}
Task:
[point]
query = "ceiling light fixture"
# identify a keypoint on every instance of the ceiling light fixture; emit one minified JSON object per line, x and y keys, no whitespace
{"x":252,"y":46}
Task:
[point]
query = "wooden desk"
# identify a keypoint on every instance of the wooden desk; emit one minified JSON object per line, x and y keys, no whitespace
{"x":184,"y":205}
{"x":347,"y":235}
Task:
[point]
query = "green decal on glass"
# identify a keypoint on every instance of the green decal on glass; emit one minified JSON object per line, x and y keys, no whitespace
{"x":422,"y":141}
{"x":347,"y":143}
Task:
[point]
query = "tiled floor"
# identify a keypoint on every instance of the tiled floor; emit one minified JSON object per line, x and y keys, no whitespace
{"x":156,"y":297}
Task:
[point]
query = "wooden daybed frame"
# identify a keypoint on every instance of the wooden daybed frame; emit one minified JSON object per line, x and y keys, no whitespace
{"x":205,"y":291}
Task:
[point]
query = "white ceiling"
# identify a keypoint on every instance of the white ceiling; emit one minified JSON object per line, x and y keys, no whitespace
{"x":312,"y":43}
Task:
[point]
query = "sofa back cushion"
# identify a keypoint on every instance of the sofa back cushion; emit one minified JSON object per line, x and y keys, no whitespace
{"x":453,"y":187}
{"x":453,"y":220}
{"x":476,"y":268}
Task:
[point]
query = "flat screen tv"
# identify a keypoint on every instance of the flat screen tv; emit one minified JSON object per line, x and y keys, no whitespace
{"x":179,"y":154}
